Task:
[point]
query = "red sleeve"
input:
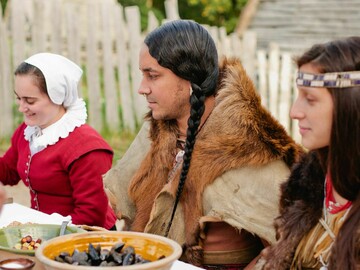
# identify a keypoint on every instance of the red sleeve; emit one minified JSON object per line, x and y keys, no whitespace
{"x":90,"y":200}
{"x":8,"y":163}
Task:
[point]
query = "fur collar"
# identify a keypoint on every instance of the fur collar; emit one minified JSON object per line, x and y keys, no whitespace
{"x":239,"y":132}
{"x":300,"y":209}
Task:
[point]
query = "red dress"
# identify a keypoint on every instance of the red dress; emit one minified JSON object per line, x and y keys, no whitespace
{"x":64,"y":178}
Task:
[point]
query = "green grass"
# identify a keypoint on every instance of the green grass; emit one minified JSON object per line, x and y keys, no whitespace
{"x":119,"y":143}
{"x":4,"y":145}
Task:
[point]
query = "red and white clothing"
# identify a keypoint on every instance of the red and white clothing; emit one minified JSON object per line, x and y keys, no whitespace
{"x":65,"y":176}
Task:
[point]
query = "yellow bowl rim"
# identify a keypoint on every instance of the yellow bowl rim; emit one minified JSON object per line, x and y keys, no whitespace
{"x":177,"y":251}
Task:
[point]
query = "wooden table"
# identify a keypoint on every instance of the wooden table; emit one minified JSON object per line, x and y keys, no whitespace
{"x":8,"y":255}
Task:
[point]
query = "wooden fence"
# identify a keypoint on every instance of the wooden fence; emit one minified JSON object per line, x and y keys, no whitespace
{"x":105,"y":38}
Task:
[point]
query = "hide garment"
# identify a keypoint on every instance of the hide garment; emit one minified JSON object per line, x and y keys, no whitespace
{"x":240,"y":157}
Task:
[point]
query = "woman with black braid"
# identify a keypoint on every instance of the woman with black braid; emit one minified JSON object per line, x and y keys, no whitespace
{"x":206,"y":166}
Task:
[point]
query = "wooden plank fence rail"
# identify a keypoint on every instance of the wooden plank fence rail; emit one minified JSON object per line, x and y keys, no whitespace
{"x":6,"y":94}
{"x":105,"y":38}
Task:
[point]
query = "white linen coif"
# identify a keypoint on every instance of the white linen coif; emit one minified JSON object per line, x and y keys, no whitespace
{"x":61,"y":75}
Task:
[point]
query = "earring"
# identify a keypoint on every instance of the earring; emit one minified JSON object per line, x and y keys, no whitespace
{"x":191,"y":91}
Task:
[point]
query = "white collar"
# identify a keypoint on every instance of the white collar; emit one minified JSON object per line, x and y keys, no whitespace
{"x":75,"y":116}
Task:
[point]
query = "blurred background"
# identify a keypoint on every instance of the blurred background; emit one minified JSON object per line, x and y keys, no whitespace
{"x":104,"y":37}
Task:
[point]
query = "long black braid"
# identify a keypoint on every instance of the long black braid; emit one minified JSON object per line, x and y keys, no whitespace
{"x":187,"y":49}
{"x":197,"y":110}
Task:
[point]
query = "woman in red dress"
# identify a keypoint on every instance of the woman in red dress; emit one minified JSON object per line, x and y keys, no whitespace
{"x":54,"y":152}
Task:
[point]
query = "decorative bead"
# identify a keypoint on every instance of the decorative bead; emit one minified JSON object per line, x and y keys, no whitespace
{"x":179,"y":156}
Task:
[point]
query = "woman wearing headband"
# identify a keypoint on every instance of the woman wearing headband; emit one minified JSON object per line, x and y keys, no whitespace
{"x":319,"y":225}
{"x":56,"y":154}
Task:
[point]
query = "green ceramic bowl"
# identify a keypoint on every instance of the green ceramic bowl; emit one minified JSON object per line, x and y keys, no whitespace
{"x":10,"y":236}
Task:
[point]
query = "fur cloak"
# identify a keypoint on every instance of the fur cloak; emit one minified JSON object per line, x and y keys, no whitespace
{"x":239,"y":133}
{"x":301,"y":207}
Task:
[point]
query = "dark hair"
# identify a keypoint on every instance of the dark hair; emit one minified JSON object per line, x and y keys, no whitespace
{"x":187,"y":49}
{"x":342,"y":156}
{"x":38,"y":77}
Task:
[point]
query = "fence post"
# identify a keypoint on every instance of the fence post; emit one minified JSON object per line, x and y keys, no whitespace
{"x":262,"y":82}
{"x":294,"y":123}
{"x":62,"y":26}
{"x":223,"y":42}
{"x":73,"y":15}
{"x":6,"y":77}
{"x":285,"y":90}
{"x":55,"y":23}
{"x":249,"y":53}
{"x":273,"y":75}
{"x":236,"y":47}
{"x":111,"y":97}
{"x":123,"y":65}
{"x":135,"y":42}
{"x":39,"y":28}
{"x":171,"y":9}
{"x":18,"y":15}
{"x":152,"y":22}
{"x":92,"y":69}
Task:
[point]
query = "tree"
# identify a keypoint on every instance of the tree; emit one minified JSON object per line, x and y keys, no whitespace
{"x":3,"y":5}
{"x":212,"y":12}
{"x":145,"y":6}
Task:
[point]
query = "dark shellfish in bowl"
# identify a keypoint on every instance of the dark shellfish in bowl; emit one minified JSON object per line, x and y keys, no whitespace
{"x":102,"y":250}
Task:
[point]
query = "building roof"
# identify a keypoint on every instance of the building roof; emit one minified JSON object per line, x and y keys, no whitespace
{"x":297,"y":24}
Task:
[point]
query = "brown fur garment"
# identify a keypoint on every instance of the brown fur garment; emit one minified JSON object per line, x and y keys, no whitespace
{"x":300,"y":209}
{"x":239,"y":132}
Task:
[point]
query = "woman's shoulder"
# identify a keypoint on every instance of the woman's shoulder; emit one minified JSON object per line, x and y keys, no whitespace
{"x":305,"y":186}
{"x":306,"y":179}
{"x":233,"y":195}
{"x":86,"y":129}
{"x":19,"y":132}
{"x":86,"y":138}
{"x":20,"y":128}
{"x":87,"y":132}
{"x":263,"y":174}
{"x":250,"y":182}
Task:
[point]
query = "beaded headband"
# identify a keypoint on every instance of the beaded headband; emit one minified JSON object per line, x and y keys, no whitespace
{"x":329,"y":80}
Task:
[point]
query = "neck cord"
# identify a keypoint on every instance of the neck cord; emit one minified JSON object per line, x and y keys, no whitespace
{"x":324,"y":223}
{"x":180,"y":157}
